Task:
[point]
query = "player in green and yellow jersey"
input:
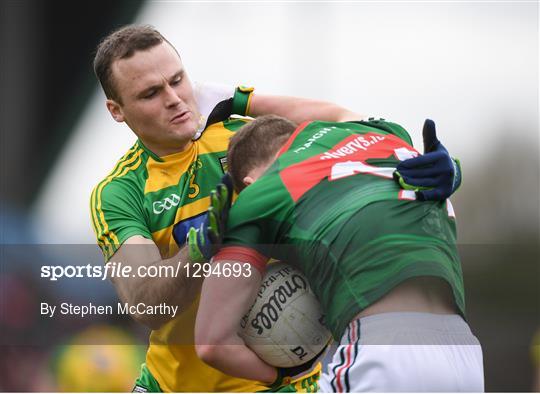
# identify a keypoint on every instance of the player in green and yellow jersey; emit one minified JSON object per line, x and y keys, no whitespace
{"x":384,"y":266}
{"x":142,"y":211}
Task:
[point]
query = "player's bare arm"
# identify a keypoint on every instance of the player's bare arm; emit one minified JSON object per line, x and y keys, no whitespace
{"x":216,"y":329}
{"x":177,"y":290}
{"x":299,"y":110}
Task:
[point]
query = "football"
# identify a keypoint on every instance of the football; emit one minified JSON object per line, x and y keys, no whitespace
{"x":285,"y":325}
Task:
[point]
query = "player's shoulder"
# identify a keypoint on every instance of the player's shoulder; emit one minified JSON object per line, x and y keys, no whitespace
{"x":234,"y":122}
{"x":264,"y":197}
{"x":216,"y":137}
{"x":127,"y":176}
{"x":386,"y":127}
{"x":230,"y":124}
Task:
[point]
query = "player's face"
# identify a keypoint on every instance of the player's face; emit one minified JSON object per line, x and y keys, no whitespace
{"x":157,"y":97}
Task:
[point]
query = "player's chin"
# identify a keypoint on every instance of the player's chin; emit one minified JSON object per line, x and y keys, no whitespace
{"x":184,"y":131}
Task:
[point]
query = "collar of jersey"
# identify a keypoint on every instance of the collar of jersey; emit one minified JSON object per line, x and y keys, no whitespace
{"x":167,"y":158}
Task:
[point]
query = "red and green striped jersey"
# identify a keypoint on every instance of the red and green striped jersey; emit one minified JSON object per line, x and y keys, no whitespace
{"x":329,"y":205}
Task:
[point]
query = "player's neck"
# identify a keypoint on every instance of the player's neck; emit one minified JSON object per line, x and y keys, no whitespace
{"x":162,"y":151}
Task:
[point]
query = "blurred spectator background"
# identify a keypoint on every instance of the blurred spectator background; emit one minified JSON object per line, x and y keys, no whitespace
{"x":470,"y":66}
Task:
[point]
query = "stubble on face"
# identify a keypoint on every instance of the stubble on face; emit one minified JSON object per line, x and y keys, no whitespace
{"x":158,"y":102}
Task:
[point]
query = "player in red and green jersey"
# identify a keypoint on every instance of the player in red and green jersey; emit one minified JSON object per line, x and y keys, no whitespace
{"x":322,"y":197}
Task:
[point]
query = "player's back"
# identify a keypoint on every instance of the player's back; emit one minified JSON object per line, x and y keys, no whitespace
{"x":330,"y":204}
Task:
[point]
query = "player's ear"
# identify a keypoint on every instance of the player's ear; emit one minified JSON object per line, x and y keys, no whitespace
{"x":248,"y":180}
{"x":115,"y":109}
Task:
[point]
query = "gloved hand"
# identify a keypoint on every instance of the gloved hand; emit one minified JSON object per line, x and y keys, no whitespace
{"x":288,"y":375}
{"x":204,"y":241}
{"x":434,"y":175}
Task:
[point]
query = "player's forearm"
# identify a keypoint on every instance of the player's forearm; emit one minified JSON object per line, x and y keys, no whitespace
{"x":224,"y":300}
{"x":237,"y":360}
{"x":299,"y":110}
{"x":174,"y":288}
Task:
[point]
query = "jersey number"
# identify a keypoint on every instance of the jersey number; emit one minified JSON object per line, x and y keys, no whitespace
{"x":348,"y":168}
{"x":193,"y":186}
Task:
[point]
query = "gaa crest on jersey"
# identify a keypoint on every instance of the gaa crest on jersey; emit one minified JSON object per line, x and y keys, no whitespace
{"x":223,"y":162}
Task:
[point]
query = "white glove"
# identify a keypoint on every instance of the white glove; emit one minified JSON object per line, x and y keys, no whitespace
{"x":208,"y":96}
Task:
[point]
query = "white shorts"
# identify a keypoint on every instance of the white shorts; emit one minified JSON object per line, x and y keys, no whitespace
{"x":406,"y":352}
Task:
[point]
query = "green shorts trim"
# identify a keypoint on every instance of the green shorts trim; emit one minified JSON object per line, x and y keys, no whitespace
{"x":146,"y":383}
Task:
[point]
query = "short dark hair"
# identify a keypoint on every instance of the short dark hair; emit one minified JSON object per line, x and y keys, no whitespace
{"x":122,"y":44}
{"x":256,"y":143}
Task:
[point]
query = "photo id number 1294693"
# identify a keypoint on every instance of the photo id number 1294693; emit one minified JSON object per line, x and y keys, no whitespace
{"x":227,"y":270}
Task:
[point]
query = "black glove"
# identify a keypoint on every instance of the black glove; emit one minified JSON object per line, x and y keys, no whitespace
{"x":434,"y":175}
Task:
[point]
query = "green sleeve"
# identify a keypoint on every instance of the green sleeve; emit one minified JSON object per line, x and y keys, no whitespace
{"x":258,"y":217}
{"x":241,"y":100}
{"x":238,"y":104}
{"x":244,"y":222}
{"x":117,"y":214}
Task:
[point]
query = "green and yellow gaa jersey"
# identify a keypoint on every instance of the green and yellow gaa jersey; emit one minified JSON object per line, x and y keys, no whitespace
{"x":329,"y":205}
{"x":146,"y":195}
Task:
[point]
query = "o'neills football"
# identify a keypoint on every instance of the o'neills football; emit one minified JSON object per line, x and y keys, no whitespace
{"x":285,"y":324}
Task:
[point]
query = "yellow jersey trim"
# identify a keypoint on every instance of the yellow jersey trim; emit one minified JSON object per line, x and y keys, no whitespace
{"x":105,"y":236}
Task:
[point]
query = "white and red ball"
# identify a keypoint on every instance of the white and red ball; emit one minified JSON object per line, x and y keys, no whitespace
{"x":285,"y":324}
